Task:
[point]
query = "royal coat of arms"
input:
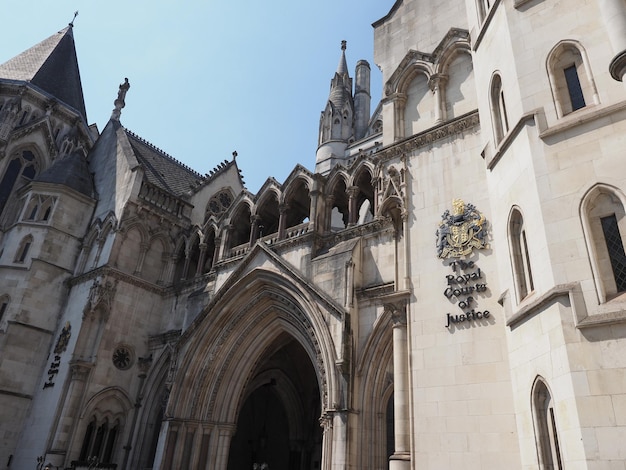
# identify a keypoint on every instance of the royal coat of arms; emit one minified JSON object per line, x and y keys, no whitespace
{"x":460,"y":232}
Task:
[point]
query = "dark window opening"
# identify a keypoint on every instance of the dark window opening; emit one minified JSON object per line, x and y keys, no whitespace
{"x":573,"y":87}
{"x":615,"y":248}
{"x":24,"y":252}
{"x":527,"y":256}
{"x":389,"y":425}
{"x":3,"y":309}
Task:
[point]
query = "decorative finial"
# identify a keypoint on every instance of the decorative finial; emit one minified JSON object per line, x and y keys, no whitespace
{"x":343,"y":45}
{"x":119,"y":102}
{"x":75,"y":15}
{"x":234,"y":154}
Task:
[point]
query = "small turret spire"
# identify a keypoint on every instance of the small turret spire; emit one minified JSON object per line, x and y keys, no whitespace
{"x":342,"y":68}
{"x":71,"y":23}
{"x":119,"y":102}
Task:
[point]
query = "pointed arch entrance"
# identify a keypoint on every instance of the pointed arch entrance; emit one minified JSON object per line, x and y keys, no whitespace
{"x":255,"y":376}
{"x":278,"y":423}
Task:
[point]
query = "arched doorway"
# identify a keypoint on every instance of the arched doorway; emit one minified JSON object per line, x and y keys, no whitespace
{"x":278,"y":422}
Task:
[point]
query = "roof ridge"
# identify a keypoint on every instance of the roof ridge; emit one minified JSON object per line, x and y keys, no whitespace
{"x":163,"y":153}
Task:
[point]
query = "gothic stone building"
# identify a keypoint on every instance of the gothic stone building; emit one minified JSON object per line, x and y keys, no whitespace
{"x":447,"y":288}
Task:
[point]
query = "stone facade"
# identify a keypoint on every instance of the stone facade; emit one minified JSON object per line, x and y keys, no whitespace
{"x":445,"y":290}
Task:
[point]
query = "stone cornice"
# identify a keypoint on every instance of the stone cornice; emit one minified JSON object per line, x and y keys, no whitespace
{"x":31,"y":327}
{"x":573,"y":293}
{"x":375,"y":292}
{"x":169,"y":337}
{"x":381,"y":224}
{"x":113,"y":273}
{"x":447,"y":129}
{"x":15,"y":394}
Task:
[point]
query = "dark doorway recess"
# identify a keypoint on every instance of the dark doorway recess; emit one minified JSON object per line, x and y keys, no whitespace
{"x":278,"y":422}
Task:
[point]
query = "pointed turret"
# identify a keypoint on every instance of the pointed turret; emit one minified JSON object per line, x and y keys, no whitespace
{"x":52,"y":67}
{"x":337,"y":120}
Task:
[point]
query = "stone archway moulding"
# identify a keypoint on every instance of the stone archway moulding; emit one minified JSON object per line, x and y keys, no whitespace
{"x":218,"y":356}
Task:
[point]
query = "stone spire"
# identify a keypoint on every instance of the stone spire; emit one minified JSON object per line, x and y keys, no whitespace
{"x":119,"y":102}
{"x":341,"y":84}
{"x":337,"y":119}
{"x":342,"y":68}
{"x":50,"y":66}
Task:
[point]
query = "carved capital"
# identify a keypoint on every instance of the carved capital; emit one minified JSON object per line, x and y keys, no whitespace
{"x":100,"y":297}
{"x":353,"y":191}
{"x":397,"y":311}
{"x":79,"y":370}
{"x":395,"y":304}
{"x":144,"y":363}
{"x":437,"y":80}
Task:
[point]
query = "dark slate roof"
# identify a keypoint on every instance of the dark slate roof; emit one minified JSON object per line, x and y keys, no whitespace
{"x":71,"y":171}
{"x":51,"y":66}
{"x":163,"y":170}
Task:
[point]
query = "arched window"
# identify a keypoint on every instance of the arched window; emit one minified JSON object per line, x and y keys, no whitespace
{"x":21,"y":169}
{"x":268,"y":214}
{"x":47,"y":204}
{"x":520,"y":259}
{"x":24,"y":248}
{"x":546,"y":430}
{"x":99,"y":441}
{"x":604,"y":222}
{"x":240,"y":226}
{"x":4,"y":304}
{"x":39,"y":208}
{"x":337,"y":207}
{"x":297,"y":203}
{"x":570,"y":76}
{"x":364,"y":203}
{"x":31,"y":209}
{"x":498,"y":109}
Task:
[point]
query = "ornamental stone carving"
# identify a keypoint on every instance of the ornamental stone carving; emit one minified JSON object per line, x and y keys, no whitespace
{"x":461,"y":232}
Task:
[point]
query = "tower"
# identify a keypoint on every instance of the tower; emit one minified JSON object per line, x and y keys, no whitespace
{"x":337,"y":119}
{"x":46,"y":200}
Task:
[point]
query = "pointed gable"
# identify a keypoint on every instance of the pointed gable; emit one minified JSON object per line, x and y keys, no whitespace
{"x":52,"y":67}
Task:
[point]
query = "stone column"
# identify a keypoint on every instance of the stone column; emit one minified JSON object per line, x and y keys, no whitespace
{"x":326,"y":423}
{"x":186,"y":265}
{"x":375,"y":184}
{"x":216,"y":251}
{"x":614,"y":17}
{"x":340,"y":440}
{"x":282,"y":221}
{"x":254,"y":229}
{"x":168,"y":442}
{"x":399,"y":105}
{"x":314,"y":195}
{"x":226,"y":240}
{"x":224,"y":436}
{"x":65,"y":426}
{"x":401,"y":458}
{"x":201,"y":258}
{"x":353,"y":194}
{"x":328,"y":212}
{"x":437,"y":84}
{"x":143,"y":363}
{"x":143,"y":249}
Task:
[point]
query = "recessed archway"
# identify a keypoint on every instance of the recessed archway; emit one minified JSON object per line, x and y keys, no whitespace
{"x":278,"y":423}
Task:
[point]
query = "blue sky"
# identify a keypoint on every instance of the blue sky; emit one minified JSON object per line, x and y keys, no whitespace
{"x":210,"y":77}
